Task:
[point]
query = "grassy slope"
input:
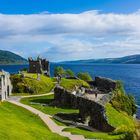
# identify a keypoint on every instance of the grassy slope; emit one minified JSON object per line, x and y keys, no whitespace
{"x":7,"y":57}
{"x":17,"y":123}
{"x":44,"y":85}
{"x":69,"y":84}
{"x":51,"y":110}
{"x":117,"y":118}
{"x":93,"y":135}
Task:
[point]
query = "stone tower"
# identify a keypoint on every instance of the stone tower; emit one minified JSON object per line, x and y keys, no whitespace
{"x":39,"y":66}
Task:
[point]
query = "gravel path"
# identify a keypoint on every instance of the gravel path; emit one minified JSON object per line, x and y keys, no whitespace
{"x":46,"y":118}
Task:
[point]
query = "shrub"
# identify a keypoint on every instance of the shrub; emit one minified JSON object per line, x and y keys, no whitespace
{"x":16,"y":79}
{"x":84,"y":76}
{"x":59,"y":71}
{"x":122,"y":101}
{"x":24,"y":69}
{"x":69,"y":73}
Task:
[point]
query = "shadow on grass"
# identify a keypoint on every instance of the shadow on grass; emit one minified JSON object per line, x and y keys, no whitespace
{"x":49,"y":102}
{"x":44,"y":101}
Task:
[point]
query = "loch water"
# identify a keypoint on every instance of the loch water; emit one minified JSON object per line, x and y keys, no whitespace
{"x":128,"y":73}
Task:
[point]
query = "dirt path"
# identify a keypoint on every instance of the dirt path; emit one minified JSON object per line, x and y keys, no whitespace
{"x":46,"y":118}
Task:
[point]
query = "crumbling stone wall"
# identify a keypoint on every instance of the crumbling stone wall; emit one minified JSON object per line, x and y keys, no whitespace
{"x":39,"y":66}
{"x":94,"y":114}
{"x":65,"y":98}
{"x":5,"y":85}
{"x":105,"y":84}
{"x":90,"y":111}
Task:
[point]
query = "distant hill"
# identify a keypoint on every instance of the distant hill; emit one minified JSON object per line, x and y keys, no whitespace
{"x":7,"y":57}
{"x":132,"y":59}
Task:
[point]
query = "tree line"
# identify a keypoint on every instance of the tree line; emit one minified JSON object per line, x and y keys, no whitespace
{"x":69,"y":73}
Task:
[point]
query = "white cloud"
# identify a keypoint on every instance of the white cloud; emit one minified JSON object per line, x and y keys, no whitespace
{"x":90,"y":34}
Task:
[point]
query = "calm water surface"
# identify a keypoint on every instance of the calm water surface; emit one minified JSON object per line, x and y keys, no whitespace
{"x":129,"y":74}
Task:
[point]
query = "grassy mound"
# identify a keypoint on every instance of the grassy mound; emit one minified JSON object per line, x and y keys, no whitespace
{"x":70,"y":84}
{"x":30,"y":84}
{"x":17,"y":123}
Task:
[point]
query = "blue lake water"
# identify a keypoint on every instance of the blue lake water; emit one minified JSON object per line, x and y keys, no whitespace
{"x":129,"y":74}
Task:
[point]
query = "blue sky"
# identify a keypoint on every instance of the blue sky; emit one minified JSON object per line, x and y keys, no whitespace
{"x":67,"y":6}
{"x":70,"y":29}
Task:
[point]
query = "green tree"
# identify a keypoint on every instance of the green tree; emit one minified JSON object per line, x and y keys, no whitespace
{"x":84,"y":76}
{"x":69,"y":73}
{"x":59,"y":71}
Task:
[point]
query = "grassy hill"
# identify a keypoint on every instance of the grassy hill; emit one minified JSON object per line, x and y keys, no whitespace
{"x":7,"y":57}
{"x":132,"y":59}
{"x":30,"y":84}
{"x":17,"y":123}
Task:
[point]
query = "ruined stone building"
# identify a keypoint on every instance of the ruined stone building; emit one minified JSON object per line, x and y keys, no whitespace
{"x":5,"y":85}
{"x":39,"y":66}
{"x":90,"y":107}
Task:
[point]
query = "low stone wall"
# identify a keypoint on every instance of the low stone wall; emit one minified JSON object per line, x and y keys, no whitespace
{"x":59,"y":117}
{"x":91,"y":112}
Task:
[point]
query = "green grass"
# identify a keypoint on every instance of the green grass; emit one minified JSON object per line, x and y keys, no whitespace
{"x":93,"y":135}
{"x":120,"y":120}
{"x":58,"y":122}
{"x":51,"y":110}
{"x":70,"y":84}
{"x":26,"y":94}
{"x":116,"y":118}
{"x":17,"y":123}
{"x":31,"y":85}
{"x":20,"y":94}
{"x":44,"y":85}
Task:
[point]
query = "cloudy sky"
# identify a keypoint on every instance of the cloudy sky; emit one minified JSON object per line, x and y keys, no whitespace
{"x":60,"y":30}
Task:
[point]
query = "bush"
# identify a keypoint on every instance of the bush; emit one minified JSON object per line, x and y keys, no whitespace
{"x":59,"y":71}
{"x":69,"y":73}
{"x":16,"y":82}
{"x":122,"y":101}
{"x":84,"y":76}
{"x":129,"y":136}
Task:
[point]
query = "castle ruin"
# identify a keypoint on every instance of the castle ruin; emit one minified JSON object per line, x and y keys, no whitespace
{"x":91,"y":107}
{"x":5,"y":85}
{"x":39,"y":66}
